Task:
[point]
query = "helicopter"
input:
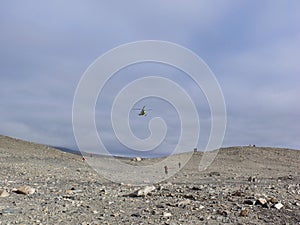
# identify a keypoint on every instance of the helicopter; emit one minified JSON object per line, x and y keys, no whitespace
{"x":142,"y":112}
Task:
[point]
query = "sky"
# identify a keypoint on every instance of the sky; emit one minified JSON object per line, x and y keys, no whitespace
{"x":252,"y":48}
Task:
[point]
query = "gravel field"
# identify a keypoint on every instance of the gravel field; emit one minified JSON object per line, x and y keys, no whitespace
{"x":244,"y":185}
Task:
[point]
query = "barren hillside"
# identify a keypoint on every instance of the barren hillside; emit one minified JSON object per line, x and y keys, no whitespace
{"x":243,"y":185}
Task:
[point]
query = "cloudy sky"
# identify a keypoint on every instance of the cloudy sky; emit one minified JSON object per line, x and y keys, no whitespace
{"x":252,"y":47}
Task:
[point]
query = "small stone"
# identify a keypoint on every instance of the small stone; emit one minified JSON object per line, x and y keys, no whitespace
{"x":153,"y":212}
{"x":224,"y":213}
{"x":167,"y":214}
{"x":201,"y":207}
{"x":137,"y":159}
{"x":190,"y":196}
{"x":261,"y":201}
{"x":171,"y":195}
{"x":214,"y":174}
{"x":184,"y":202}
{"x":244,"y":212}
{"x":278,"y":205}
{"x":135,"y":215}
{"x":143,"y":191}
{"x":252,"y":179}
{"x":116,"y":214}
{"x":197,"y":188}
{"x":69,"y":192}
{"x":238,"y":193}
{"x":273,"y":200}
{"x":4,"y":193}
{"x":171,"y":204}
{"x":45,"y":210}
{"x":25,"y":190}
{"x":70,"y":197}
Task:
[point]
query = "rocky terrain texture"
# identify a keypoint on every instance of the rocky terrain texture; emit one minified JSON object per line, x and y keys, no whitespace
{"x":244,"y":185}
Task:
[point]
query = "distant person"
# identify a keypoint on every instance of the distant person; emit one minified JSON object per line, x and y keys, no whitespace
{"x":166,"y":169}
{"x":179,"y":165}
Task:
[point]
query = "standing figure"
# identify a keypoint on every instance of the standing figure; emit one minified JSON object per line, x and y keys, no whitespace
{"x":166,"y":169}
{"x":179,"y":165}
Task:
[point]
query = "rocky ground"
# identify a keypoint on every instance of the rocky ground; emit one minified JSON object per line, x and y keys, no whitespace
{"x":244,"y":185}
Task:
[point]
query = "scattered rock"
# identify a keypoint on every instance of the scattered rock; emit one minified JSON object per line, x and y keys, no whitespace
{"x":223,"y":212}
{"x":278,"y":205}
{"x":167,"y":214}
{"x":195,"y":188}
{"x":4,"y":193}
{"x":137,"y":159}
{"x":69,"y":192}
{"x":238,"y":193}
{"x":201,"y":206}
{"x":136,"y":215}
{"x":252,"y":179}
{"x":25,"y":190}
{"x":184,"y":202}
{"x":261,"y":201}
{"x":273,"y":200}
{"x":160,"y":206}
{"x":78,"y":190}
{"x":214,"y":173}
{"x":190,"y":196}
{"x":288,"y":177}
{"x":143,"y":191}
{"x":115,"y":214}
{"x":244,"y":212}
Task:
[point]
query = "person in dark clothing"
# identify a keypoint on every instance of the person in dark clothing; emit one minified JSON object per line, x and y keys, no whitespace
{"x":166,"y":169}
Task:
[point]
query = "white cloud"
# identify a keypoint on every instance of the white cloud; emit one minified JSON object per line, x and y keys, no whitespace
{"x":254,"y":52}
